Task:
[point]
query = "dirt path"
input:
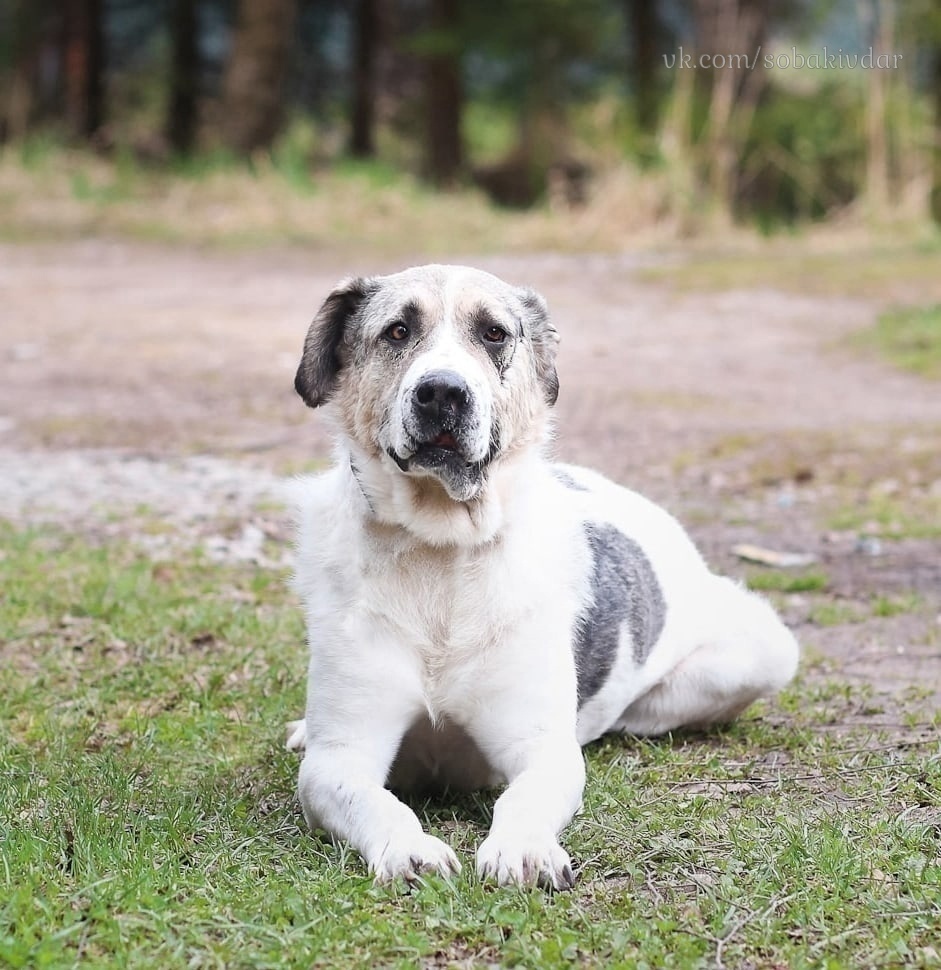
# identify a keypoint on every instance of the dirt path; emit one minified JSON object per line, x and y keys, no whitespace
{"x":745,"y":412}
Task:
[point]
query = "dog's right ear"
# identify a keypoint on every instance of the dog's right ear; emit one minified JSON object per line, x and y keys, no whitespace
{"x":321,"y":359}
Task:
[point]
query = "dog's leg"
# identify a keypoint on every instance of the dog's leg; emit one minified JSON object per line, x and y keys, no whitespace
{"x":744,"y":653}
{"x":547,"y":777}
{"x":528,"y":735}
{"x":341,"y":788}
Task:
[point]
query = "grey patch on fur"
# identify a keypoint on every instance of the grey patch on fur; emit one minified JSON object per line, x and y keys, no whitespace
{"x":564,"y":478}
{"x":624,"y":587}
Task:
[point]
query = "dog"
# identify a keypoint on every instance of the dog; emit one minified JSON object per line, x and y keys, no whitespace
{"x":476,"y":613}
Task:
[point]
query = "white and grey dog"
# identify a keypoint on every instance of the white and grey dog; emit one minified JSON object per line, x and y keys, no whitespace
{"x":476,"y":612}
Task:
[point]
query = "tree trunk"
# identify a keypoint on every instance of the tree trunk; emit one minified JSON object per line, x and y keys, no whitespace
{"x":444,"y":96}
{"x":84,"y":66}
{"x":366,"y":31}
{"x":936,"y":153}
{"x":726,"y":27}
{"x":877,"y":189}
{"x":184,"y":76}
{"x":253,"y":90}
{"x":642,"y":16}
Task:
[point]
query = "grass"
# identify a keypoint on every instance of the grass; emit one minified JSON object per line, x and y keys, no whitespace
{"x":304,"y":193}
{"x":779,"y":581}
{"x":150,"y":819}
{"x":909,"y":338}
{"x":836,"y":613}
{"x":51,"y":192}
{"x":816,"y":262}
{"x":916,"y":515}
{"x":896,"y":605}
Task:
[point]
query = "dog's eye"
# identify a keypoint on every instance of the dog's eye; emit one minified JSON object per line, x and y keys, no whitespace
{"x":495,"y":335}
{"x":396,"y":332}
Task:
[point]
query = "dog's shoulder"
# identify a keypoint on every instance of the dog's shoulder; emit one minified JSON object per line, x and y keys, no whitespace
{"x":326,"y":512}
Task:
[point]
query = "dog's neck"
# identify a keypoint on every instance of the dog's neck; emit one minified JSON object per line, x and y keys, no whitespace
{"x":420,"y":508}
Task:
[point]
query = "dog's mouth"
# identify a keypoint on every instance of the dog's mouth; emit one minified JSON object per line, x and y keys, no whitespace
{"x":443,"y":450}
{"x":447,"y":456}
{"x":446,"y":441}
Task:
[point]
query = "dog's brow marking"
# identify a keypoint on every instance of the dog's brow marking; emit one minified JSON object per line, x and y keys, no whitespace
{"x":624,"y":587}
{"x":507,"y":364}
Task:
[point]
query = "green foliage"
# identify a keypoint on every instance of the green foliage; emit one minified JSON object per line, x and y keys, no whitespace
{"x":540,"y":80}
{"x":804,"y":154}
{"x":910,"y":337}
{"x":40,"y":149}
{"x":490,"y":130}
{"x":550,"y":52}
{"x":292,"y":154}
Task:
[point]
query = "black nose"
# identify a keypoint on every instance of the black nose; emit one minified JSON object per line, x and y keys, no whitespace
{"x":440,"y":394}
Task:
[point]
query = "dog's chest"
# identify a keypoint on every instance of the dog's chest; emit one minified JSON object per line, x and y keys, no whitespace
{"x":445,"y":604}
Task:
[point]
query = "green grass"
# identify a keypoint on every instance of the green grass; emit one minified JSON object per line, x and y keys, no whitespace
{"x":149,"y":817}
{"x":836,"y":613}
{"x":784,"y":582}
{"x":909,"y":338}
{"x":896,"y":605}
{"x":913,"y":516}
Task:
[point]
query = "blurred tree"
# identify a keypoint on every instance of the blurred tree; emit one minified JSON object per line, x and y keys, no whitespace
{"x":879,"y":27}
{"x":542,"y":57}
{"x":641,"y":15}
{"x":27,"y":33}
{"x":936,"y":139}
{"x":919,"y":33}
{"x":84,"y":60}
{"x":733,"y":30}
{"x":444,"y":93}
{"x":253,"y":87}
{"x":367,"y":36}
{"x":184,"y":75}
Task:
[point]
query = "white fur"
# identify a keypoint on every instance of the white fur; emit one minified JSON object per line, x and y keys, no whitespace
{"x":451,"y":625}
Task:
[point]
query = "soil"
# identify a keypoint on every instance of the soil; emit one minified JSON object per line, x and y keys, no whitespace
{"x":140,"y":382}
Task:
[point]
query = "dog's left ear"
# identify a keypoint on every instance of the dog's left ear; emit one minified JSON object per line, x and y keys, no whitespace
{"x":545,"y":341}
{"x":321,"y":359}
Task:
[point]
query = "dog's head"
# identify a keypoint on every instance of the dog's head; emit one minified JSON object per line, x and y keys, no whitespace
{"x":442,"y":370}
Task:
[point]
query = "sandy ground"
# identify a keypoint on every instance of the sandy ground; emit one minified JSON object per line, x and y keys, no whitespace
{"x":140,"y":381}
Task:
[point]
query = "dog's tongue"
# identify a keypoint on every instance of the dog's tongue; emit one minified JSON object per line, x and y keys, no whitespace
{"x":444,"y":440}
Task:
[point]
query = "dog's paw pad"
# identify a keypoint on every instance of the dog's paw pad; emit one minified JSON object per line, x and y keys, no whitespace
{"x":412,"y":857}
{"x":525,"y":860}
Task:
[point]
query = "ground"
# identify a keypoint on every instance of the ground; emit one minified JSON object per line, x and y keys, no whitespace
{"x":147,"y":416}
{"x":746,"y":411}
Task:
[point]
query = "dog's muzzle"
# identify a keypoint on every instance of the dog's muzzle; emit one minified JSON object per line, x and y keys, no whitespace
{"x":441,"y":405}
{"x":442,"y":424}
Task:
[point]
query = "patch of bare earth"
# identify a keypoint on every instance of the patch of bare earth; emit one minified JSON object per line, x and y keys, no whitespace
{"x":743,"y":411}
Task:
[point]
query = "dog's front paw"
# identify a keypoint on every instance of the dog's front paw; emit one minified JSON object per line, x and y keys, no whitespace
{"x":296,"y":732}
{"x":409,"y":857}
{"x":525,"y":859}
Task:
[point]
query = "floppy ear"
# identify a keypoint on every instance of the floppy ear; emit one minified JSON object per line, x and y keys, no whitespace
{"x":545,"y":340}
{"x":321,"y":361}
